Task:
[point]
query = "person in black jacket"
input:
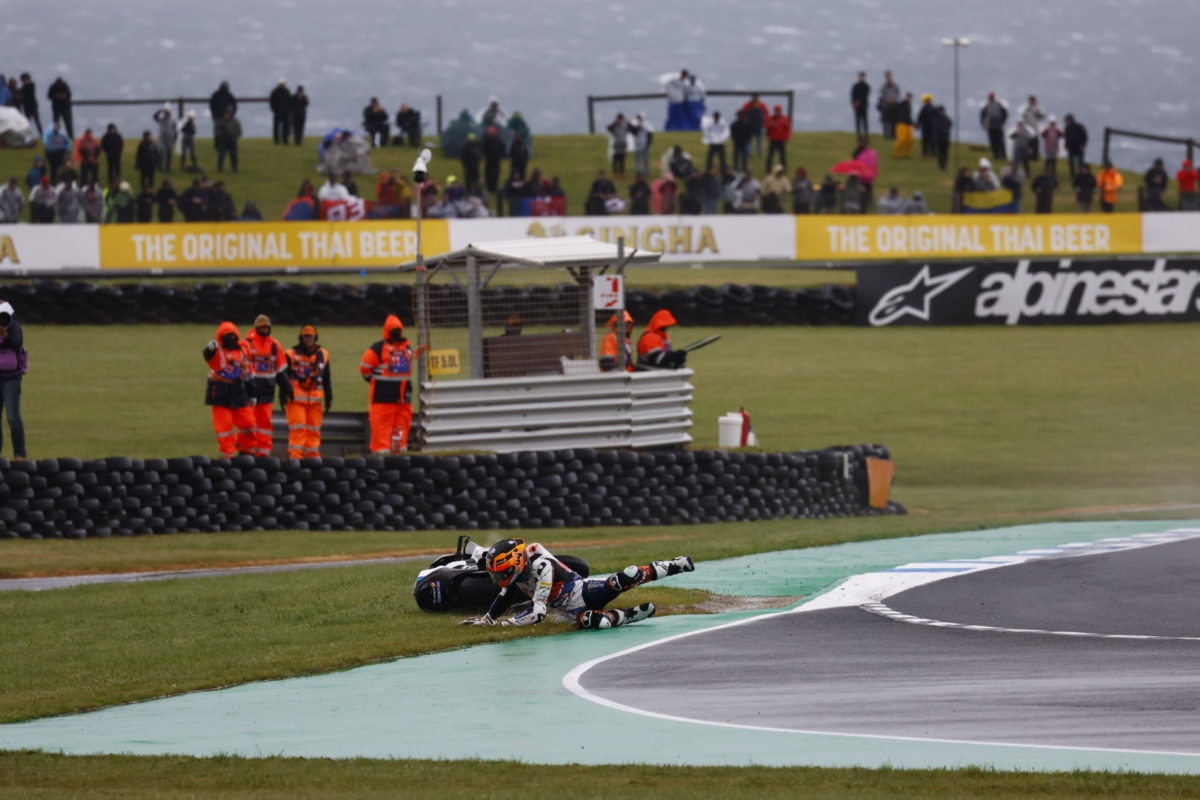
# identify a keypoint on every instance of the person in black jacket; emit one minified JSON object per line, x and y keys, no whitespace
{"x":166,"y":199}
{"x":299,"y":114}
{"x":281,"y":112}
{"x":471,"y":155}
{"x":741,"y":132}
{"x":222,"y":100}
{"x":59,"y":95}
{"x":1075,"y":137}
{"x":925,"y":124}
{"x":113,"y":143}
{"x":29,"y":101}
{"x":639,"y":195}
{"x":408,"y":124}
{"x":860,"y":101}
{"x":144,"y":204}
{"x":493,"y":154}
{"x":147,"y":159}
{"x":375,"y":123}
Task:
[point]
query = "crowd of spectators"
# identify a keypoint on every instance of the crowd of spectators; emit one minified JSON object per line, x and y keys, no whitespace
{"x":65,"y":183}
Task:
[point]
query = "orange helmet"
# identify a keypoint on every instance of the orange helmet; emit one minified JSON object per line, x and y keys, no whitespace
{"x":506,"y":561}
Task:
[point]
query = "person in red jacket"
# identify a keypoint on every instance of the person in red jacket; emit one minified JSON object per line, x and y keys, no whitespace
{"x":268,"y":367}
{"x":1187,"y":177}
{"x":654,"y":346}
{"x":610,"y":348}
{"x":227,"y":393}
{"x":779,"y":131}
{"x":387,"y":365}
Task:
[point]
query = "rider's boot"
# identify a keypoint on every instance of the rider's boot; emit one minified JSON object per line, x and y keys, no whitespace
{"x":633,"y":576}
{"x":602,"y":620}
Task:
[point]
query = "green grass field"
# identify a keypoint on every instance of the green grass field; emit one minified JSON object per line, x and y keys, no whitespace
{"x":988,"y":427}
{"x":270,"y":175}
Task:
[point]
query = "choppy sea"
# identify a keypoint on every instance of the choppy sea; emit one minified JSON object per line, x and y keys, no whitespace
{"x":1121,"y":63}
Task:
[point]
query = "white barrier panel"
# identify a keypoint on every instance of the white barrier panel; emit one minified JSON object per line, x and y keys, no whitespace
{"x":609,"y":409}
{"x":1177,"y":232}
{"x":681,"y":238}
{"x":48,"y":248}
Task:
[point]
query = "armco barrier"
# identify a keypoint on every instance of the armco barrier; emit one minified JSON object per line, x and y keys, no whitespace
{"x":84,"y":303}
{"x":69,"y":498}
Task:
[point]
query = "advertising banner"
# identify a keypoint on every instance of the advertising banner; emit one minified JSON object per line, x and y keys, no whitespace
{"x":1029,"y":292}
{"x":47,"y":248}
{"x":232,"y":245}
{"x":683,"y":238}
{"x":857,"y":237}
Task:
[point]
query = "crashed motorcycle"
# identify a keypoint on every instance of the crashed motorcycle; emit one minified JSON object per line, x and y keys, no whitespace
{"x":458,"y":581}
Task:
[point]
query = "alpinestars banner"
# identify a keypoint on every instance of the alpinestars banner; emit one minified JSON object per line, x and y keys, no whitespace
{"x":1029,"y":292}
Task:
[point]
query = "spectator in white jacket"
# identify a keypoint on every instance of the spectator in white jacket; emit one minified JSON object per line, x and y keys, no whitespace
{"x":12,"y":200}
{"x":1034,"y":118}
{"x":332,"y":190}
{"x":715,"y":134}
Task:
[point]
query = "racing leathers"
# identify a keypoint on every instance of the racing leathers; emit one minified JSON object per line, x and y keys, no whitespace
{"x":556,"y":590}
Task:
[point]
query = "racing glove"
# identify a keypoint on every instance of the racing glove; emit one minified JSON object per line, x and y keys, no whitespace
{"x":210,"y":350}
{"x":480,"y":620}
{"x":675,"y":359}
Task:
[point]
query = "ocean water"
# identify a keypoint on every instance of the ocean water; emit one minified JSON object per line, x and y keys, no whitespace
{"x":1122,"y":63}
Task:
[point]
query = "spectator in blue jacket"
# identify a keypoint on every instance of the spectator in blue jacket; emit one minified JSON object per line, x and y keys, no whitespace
{"x":58,"y":147}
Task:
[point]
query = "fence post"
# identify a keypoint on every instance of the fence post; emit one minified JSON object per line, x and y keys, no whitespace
{"x":180,"y":101}
{"x":591,"y":115}
{"x":439,"y":118}
{"x":791,"y":104}
{"x":1107,"y":136}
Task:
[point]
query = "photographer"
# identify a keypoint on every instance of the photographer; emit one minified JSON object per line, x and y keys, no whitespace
{"x":14,"y":363}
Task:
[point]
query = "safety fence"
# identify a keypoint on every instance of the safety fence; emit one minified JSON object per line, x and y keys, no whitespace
{"x":69,"y":498}
{"x":86,"y":303}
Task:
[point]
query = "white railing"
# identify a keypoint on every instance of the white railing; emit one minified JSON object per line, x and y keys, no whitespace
{"x":556,"y":412}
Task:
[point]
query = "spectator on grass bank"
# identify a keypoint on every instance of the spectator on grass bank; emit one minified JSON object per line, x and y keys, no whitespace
{"x":280,"y":101}
{"x":916,"y":204}
{"x":1023,"y":143}
{"x":59,"y":96}
{"x":375,"y":123}
{"x":643,"y":134}
{"x":1032,"y":115}
{"x":992,"y":117}
{"x":1052,"y":138}
{"x":299,"y":115}
{"x":1043,"y":189}
{"x":755,"y":111}
{"x":775,"y":187}
{"x":332,"y":190}
{"x":1075,"y":136}
{"x":860,"y":98}
{"x":716,"y":133}
{"x":58,"y":147}
{"x":227,"y":393}
{"x":903,"y":127}
{"x":639,"y":195}
{"x":942,"y":127}
{"x":87,"y":155}
{"x":803,"y":193}
{"x":618,"y":143}
{"x":68,"y":203}
{"x":891,"y":203}
{"x":147,"y":159}
{"x":187,"y":142}
{"x":12,"y":200}
{"x":601,"y":191}
{"x":220,"y":103}
{"x":193,"y":203}
{"x":14,"y":363}
{"x":675,"y":88}
{"x":1109,"y":182}
{"x":408,"y":125}
{"x":93,"y":203}
{"x":350,"y":184}
{"x":963,"y":183}
{"x":746,"y":195}
{"x":119,"y":205}
{"x":889,"y":96}
{"x":984,"y":178}
{"x":742,"y":133}
{"x":250,"y":212}
{"x":925,"y":117}
{"x":41,"y":202}
{"x":1013,"y":179}
{"x":167,"y":131}
{"x":471,"y":156}
{"x":34,"y":176}
{"x":144,"y":204}
{"x":694,"y":101}
{"x":113,"y":145}
{"x":519,"y":153}
{"x":29,"y":101}
{"x":226,"y":135}
{"x":494,"y":152}
{"x":1156,"y":186}
{"x":779,"y":131}
{"x":166,"y":200}
{"x":827,"y":196}
{"x":221,"y":207}
{"x":1187,"y":178}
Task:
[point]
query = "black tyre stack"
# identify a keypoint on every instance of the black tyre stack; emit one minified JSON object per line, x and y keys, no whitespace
{"x":119,"y":496}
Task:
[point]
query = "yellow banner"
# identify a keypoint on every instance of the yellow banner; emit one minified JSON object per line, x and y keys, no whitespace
{"x":229,"y":245}
{"x":853,"y":238}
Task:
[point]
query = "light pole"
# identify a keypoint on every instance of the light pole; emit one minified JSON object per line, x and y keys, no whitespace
{"x":958,"y":43}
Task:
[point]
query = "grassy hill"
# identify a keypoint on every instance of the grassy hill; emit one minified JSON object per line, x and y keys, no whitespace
{"x":270,"y":175}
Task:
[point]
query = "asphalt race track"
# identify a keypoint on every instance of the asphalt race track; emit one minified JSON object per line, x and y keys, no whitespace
{"x":1035,"y":667}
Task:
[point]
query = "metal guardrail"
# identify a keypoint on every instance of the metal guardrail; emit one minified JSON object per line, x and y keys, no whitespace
{"x":343,"y":434}
{"x":602,"y":410}
{"x":592,"y":99}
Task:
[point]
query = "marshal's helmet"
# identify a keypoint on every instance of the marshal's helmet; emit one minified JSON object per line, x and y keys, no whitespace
{"x":506,"y":561}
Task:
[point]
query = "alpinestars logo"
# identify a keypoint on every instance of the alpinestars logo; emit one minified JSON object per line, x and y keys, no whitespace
{"x":913,"y":298}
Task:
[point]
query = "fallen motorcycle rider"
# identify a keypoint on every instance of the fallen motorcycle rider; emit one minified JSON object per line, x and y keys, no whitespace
{"x":554,"y":589}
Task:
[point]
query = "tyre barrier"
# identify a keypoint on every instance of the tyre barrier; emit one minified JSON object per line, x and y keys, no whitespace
{"x":70,"y":498}
{"x":84,"y":303}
